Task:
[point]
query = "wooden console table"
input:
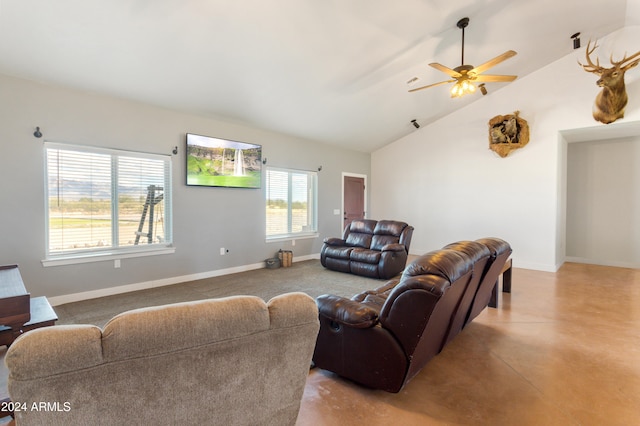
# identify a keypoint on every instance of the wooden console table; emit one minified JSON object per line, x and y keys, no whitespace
{"x":18,"y":311}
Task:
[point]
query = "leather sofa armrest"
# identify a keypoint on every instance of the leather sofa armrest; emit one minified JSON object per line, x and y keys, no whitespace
{"x":345,"y":311}
{"x":393,"y":247}
{"x":333,"y":241}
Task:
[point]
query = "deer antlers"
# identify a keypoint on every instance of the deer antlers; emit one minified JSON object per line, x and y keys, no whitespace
{"x":591,"y":67}
{"x":596,"y":68}
{"x":626,"y":63}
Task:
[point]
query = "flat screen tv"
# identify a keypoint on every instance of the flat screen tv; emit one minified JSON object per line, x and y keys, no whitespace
{"x":222,"y":162}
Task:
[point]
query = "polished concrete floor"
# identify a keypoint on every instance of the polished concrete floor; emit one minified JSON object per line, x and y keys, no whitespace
{"x":562,"y":349}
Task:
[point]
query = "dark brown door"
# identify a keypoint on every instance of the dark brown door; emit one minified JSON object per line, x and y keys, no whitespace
{"x":353,"y":199}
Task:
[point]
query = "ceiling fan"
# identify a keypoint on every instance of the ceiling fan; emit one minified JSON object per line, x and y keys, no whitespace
{"x":465,"y":76}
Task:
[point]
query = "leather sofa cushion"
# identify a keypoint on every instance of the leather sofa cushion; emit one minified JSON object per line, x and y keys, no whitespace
{"x":357,"y":239}
{"x":377,"y":297}
{"x":384,"y":290}
{"x":365,"y":256}
{"x":389,"y":227}
{"x":341,"y":265}
{"x":443,"y":263}
{"x":364,"y":269}
{"x":379,"y":241}
{"x":363,"y":226}
{"x":360,"y":232}
{"x":472,"y":249}
{"x":495,"y":245}
{"x":376,"y":300}
{"x":338,"y":252}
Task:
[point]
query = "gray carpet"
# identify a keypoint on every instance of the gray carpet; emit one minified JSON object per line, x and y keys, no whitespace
{"x":307,"y":276}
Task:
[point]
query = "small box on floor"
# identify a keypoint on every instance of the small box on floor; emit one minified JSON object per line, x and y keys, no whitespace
{"x":286,"y":258}
{"x":272,"y":263}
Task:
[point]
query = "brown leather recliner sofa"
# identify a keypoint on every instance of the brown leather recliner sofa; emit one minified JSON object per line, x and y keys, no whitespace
{"x":382,"y":338}
{"x":376,"y":249}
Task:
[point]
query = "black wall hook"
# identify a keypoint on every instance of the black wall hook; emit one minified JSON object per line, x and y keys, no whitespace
{"x":175,"y":150}
{"x":37,"y":133}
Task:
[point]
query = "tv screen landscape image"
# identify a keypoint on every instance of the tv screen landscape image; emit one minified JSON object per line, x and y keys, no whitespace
{"x":222,"y":162}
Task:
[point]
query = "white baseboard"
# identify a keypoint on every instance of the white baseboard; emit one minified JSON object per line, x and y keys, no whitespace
{"x":535,"y":266}
{"x":615,"y":264}
{"x":110,"y":291}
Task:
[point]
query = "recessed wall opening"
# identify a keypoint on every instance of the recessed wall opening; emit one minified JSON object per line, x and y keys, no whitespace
{"x":600,"y":195}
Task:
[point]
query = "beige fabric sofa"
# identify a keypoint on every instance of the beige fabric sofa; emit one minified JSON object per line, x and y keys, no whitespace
{"x":230,"y":361}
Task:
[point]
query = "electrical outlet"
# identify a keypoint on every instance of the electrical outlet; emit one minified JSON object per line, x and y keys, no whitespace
{"x":116,"y":263}
{"x":222,"y":251}
{"x":293,"y":242}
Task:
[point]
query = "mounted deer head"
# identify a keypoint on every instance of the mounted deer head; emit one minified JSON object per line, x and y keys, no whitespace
{"x":612,"y":99}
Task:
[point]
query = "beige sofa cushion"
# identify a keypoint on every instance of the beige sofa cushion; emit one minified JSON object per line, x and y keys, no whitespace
{"x":181,"y":326}
{"x":76,"y":347}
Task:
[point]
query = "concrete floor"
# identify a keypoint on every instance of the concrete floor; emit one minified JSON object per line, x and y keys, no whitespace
{"x":562,"y":349}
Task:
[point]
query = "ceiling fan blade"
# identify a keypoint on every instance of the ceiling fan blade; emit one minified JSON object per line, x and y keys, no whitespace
{"x":495,"y":78}
{"x":493,"y":62}
{"x":446,"y":70}
{"x":431,"y":85}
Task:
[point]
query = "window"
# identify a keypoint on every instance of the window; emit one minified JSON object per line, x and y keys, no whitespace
{"x":104,"y":201}
{"x":291,"y":207}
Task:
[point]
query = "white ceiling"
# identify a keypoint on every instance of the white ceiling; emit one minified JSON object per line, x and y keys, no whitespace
{"x":334,"y":71}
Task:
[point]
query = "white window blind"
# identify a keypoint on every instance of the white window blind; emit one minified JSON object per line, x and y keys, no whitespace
{"x":103,"y":200}
{"x":291,"y":207}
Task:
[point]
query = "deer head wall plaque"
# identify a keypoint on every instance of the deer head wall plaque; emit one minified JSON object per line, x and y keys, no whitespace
{"x":612,"y":99}
{"x":508,"y":132}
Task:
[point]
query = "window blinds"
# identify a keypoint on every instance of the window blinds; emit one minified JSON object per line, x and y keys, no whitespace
{"x":102,"y":199}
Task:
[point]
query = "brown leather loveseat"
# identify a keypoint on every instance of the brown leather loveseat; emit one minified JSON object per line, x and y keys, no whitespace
{"x":376,"y":249}
{"x":382,"y":338}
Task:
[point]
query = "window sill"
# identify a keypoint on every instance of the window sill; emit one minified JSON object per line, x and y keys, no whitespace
{"x":107,"y":255}
{"x":291,"y":237}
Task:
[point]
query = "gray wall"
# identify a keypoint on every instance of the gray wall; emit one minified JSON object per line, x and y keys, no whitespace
{"x":205,"y":219}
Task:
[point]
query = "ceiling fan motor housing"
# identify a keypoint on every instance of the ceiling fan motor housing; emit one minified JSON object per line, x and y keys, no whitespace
{"x":463,"y":69}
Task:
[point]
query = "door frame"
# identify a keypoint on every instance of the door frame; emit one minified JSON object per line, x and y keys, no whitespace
{"x":366,"y":200}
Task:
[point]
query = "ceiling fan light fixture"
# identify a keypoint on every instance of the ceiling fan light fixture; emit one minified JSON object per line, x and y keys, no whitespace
{"x":462,"y":87}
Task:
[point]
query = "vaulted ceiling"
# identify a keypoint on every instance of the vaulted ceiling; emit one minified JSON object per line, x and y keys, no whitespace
{"x":334,"y":71}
